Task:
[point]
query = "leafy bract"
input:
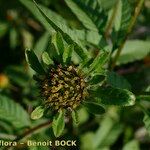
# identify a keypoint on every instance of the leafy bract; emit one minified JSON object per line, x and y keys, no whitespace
{"x":114,"y":96}
{"x":94,"y":108}
{"x":58,"y":124}
{"x":46,"y":59}
{"x":34,"y":62}
{"x":99,"y":61}
{"x":37,"y":112}
{"x":117,"y":81}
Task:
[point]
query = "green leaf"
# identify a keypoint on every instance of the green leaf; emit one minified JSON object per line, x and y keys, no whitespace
{"x":146,"y":121}
{"x":3,"y":28}
{"x":134,"y":50}
{"x":117,"y":81}
{"x":57,"y":40}
{"x":94,"y":108}
{"x":32,"y":8}
{"x":107,"y":4}
{"x":34,"y":62}
{"x":75,"y":117}
{"x":58,"y":124}
{"x":81,"y":15}
{"x":99,"y":61}
{"x":143,"y":98}
{"x":18,"y":75}
{"x":107,"y":133}
{"x":46,"y":59}
{"x":132,"y":145}
{"x":126,"y":14}
{"x":41,"y":44}
{"x":83,"y":115}
{"x":68,"y":54}
{"x":66,"y":33}
{"x":96,"y":79}
{"x":27,"y":38}
{"x":87,"y":141}
{"x":117,"y":19}
{"x":13,"y":112}
{"x":115,"y":96}
{"x":13,"y":37}
{"x":93,"y":10}
{"x":37,"y":113}
{"x":75,"y":34}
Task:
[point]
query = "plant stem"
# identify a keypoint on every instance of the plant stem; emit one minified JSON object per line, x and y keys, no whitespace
{"x":131,"y":25}
{"x":30,"y":131}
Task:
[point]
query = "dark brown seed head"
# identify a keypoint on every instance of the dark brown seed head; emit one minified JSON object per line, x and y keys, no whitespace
{"x":63,"y":88}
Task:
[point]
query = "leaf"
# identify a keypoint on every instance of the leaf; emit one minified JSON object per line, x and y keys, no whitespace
{"x":75,"y":117}
{"x":37,"y":113}
{"x":107,"y":4}
{"x":143,"y":98}
{"x":3,"y":28}
{"x":114,"y":96}
{"x":146,"y":121}
{"x":126,"y":14}
{"x":27,"y":38}
{"x":94,"y":108}
{"x":58,"y":124}
{"x":66,"y":33}
{"x":81,"y":15}
{"x":13,"y":112}
{"x":68,"y":54}
{"x":99,"y":61}
{"x":13,"y":37}
{"x":97,"y":78}
{"x":41,"y":44}
{"x":57,"y":40}
{"x":34,"y":62}
{"x":117,"y":81}
{"x":75,"y":34}
{"x":134,"y":50}
{"x":46,"y":59}
{"x":83,"y":115}
{"x":94,"y":11}
{"x":132,"y":145}
{"x":17,"y":75}
{"x":87,"y":141}
{"x":32,"y":8}
{"x":117,"y":19}
{"x":107,"y":133}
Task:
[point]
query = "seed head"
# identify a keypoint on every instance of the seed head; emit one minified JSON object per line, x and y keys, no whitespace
{"x":63,"y":88}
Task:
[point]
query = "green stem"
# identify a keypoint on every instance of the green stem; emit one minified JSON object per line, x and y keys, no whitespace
{"x":131,"y":25}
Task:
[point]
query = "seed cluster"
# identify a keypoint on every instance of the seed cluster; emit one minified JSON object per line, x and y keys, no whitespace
{"x":64,"y":88}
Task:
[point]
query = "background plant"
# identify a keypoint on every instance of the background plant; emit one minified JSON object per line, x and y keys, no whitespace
{"x":80,"y":25}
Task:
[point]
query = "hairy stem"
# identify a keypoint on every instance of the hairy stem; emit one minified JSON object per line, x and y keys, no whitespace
{"x":131,"y":25}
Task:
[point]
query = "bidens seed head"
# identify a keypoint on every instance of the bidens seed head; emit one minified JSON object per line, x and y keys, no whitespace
{"x":63,"y":88}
